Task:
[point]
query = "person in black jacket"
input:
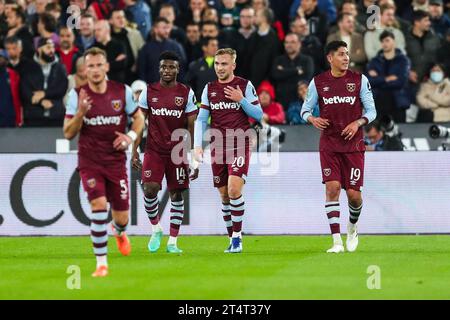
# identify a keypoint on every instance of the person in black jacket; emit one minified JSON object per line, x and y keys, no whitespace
{"x":290,"y":68}
{"x":377,"y":140}
{"x":43,"y":88}
{"x":16,"y":22}
{"x":202,"y":71}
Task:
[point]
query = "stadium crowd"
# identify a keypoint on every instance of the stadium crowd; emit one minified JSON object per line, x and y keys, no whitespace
{"x":403,"y":48}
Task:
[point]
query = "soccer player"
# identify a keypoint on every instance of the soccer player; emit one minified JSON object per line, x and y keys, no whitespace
{"x":346,"y":104}
{"x":229,"y":101}
{"x":169,"y":106}
{"x":98,"y":111}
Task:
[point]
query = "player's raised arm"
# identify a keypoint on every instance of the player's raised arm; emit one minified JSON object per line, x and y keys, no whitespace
{"x":76,"y":109}
{"x":370,"y":112}
{"x":200,"y":125}
{"x":312,"y":99}
{"x":248,"y":100}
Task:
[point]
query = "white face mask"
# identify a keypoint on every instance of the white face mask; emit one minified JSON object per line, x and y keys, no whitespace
{"x":436,"y":76}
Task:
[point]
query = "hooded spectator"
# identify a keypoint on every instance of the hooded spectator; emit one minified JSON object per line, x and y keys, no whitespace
{"x":273,"y":112}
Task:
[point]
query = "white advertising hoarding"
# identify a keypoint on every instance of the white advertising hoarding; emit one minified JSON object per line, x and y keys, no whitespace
{"x":403,"y":193}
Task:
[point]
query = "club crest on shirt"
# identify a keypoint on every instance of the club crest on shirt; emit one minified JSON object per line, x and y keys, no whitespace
{"x":91,"y":183}
{"x":148,"y":173}
{"x":327,"y":172}
{"x":116,"y":105}
{"x":326,"y":89}
{"x":179,"y":101}
{"x":213,"y":94}
{"x":351,"y":87}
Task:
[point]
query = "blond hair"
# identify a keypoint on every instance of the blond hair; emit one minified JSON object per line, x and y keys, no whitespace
{"x":94,"y":51}
{"x":229,"y":51}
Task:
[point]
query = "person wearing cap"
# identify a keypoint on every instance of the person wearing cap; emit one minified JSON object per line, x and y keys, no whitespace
{"x":273,"y":112}
{"x":388,"y":74}
{"x":440,"y":22}
{"x":10,"y":105}
{"x":43,"y":88}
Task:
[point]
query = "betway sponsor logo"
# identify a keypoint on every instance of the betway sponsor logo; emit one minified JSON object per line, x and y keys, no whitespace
{"x":225,"y":106}
{"x":337,"y":99}
{"x":102,"y":121}
{"x":167,"y":112}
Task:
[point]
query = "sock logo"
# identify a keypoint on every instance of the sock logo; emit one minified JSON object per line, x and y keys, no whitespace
{"x":337,"y":99}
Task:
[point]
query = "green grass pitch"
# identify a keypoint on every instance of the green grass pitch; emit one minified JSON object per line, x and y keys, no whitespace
{"x":272,"y":267}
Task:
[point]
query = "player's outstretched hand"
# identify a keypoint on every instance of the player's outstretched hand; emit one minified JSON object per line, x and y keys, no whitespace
{"x":319,"y":123}
{"x":193,"y":174}
{"x":234,"y":94}
{"x":198,"y":154}
{"x":349,"y":132}
{"x":122,"y":141}
{"x":136,"y":162}
{"x":84,"y":102}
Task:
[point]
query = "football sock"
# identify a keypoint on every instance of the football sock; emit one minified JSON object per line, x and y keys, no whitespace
{"x":119,"y":228}
{"x":226,"y":212}
{"x":152,"y":207}
{"x":99,"y":235}
{"x":176,"y":217}
{"x":333,"y":213}
{"x":237,"y":207}
{"x":354,"y":213}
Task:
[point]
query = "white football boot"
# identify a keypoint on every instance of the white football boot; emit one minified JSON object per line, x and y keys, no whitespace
{"x":352,"y":237}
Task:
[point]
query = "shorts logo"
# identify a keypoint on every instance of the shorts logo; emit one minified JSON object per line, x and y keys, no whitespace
{"x":179,"y":101}
{"x":351,"y":87}
{"x":148,"y":173}
{"x":216,"y":179}
{"x":116,"y":105}
{"x":327,"y":172}
{"x":91,"y":183}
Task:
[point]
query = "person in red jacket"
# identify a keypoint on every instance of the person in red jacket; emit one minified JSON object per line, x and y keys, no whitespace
{"x":273,"y":111}
{"x":10,"y":105}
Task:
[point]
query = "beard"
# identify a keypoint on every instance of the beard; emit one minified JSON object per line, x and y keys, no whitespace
{"x":47,"y":58}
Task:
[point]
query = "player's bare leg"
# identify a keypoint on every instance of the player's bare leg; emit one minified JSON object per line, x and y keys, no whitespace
{"x":151,"y":190}
{"x":99,"y":235}
{"x":333,"y":190}
{"x":237,"y":207}
{"x":226,"y":213}
{"x":119,"y":227}
{"x":355,"y":207}
{"x":176,"y":219}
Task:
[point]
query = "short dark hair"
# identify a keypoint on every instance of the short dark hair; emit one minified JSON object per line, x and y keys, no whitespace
{"x":12,"y":40}
{"x":52,"y":6}
{"x":419,"y":15}
{"x":19,"y":13}
{"x":115,"y":10}
{"x":376,"y":124}
{"x":169,"y":55}
{"x":386,"y":34}
{"x":333,"y":46}
{"x":193,"y":23}
{"x":212,"y":23}
{"x":48,"y":21}
{"x":159,"y":20}
{"x":205,"y":41}
{"x":269,"y":15}
{"x":341,"y":16}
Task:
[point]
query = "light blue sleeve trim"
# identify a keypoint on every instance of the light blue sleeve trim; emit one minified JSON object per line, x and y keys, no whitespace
{"x":205,"y":100}
{"x":72,"y":103}
{"x":366,"y":96}
{"x":250,"y":104}
{"x":130,"y":106}
{"x":200,"y":127}
{"x":142,"y":102}
{"x":191,"y":105}
{"x":311,"y":101}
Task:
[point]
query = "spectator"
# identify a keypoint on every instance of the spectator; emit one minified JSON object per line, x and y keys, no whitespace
{"x":148,"y":59}
{"x":259,"y":5}
{"x":325,"y":6}
{"x":86,"y":38}
{"x":229,"y":7}
{"x":47,"y":29}
{"x":3,"y":23}
{"x":77,"y":79}
{"x":378,"y":140}
{"x":193,"y":47}
{"x":442,"y":54}
{"x":311,"y":45}
{"x":168,"y":11}
{"x":388,"y":75}
{"x":440,"y":22}
{"x":43,"y":88}
{"x":354,"y":40}
{"x":289,"y":68}
{"x":273,"y":112}
{"x":195,"y":11}
{"x":202,"y":70}
{"x":210,"y":15}
{"x":412,"y":6}
{"x":263,"y":48}
{"x":434,"y":94}
{"x":17,"y":61}
{"x":293,"y":116}
{"x":210,"y":30}
{"x":116,"y":52}
{"x":16,"y":23}
{"x":140,"y":13}
{"x":33,"y":19}
{"x":130,"y":39}
{"x":363,"y":14}
{"x":10,"y":106}
{"x":317,"y":21}
{"x":349,"y":7}
{"x":100,"y":10}
{"x":421,"y":45}
{"x":67,"y":52}
{"x":55,"y":10}
{"x":402,"y":24}
{"x":387,"y":22}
